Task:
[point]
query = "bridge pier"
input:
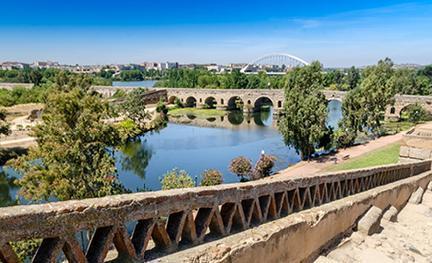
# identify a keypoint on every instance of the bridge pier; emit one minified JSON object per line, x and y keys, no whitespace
{"x":221,"y":107}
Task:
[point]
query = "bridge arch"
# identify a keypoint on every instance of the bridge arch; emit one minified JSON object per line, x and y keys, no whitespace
{"x":191,"y":102}
{"x":172,"y":99}
{"x":210,"y":102}
{"x":261,"y":102}
{"x":279,"y":62}
{"x":235,"y":103}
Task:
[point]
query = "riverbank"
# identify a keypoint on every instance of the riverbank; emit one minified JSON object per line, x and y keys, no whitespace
{"x":199,"y":113}
{"x":325,"y":163}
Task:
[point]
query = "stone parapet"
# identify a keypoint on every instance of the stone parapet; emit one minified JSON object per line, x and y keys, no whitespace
{"x":166,"y":220}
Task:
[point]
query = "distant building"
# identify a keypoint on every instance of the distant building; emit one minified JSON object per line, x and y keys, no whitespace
{"x":8,"y":65}
{"x":168,"y":65}
{"x":159,"y":65}
{"x":45,"y":64}
{"x":215,"y":68}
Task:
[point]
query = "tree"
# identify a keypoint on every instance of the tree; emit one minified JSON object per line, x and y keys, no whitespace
{"x":74,"y":158}
{"x":241,"y":166}
{"x":304,"y":121}
{"x":4,"y":125}
{"x":211,"y":177}
{"x":352,"y":118}
{"x":352,"y":78}
{"x":263,"y":166}
{"x":363,"y":108}
{"x":176,"y":179}
{"x":134,"y":107}
{"x":414,"y":113}
{"x":35,"y":77}
{"x":376,"y":92}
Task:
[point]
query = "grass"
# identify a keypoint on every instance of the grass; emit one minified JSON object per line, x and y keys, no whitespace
{"x":386,"y":155}
{"x":393,"y":127}
{"x":199,"y":113}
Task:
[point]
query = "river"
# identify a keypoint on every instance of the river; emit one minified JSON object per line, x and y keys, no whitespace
{"x":197,"y":145}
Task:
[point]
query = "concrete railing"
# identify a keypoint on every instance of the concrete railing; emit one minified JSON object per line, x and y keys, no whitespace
{"x":165,"y":221}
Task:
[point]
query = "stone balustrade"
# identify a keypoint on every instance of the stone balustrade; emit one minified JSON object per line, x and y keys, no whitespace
{"x":165,"y":221}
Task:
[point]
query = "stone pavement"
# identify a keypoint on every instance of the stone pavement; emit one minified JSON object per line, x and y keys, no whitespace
{"x":407,"y":240}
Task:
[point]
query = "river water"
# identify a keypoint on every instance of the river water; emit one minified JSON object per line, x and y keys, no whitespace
{"x":196,"y":144}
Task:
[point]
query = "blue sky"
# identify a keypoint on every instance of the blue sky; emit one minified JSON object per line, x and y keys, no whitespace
{"x":337,"y":33}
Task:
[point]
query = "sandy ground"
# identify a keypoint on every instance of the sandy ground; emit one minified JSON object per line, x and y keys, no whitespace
{"x":305,"y":168}
{"x":407,"y":240}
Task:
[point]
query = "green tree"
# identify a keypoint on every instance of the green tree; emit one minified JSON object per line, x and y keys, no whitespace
{"x":352,"y":78}
{"x":4,"y":125}
{"x":35,"y":77}
{"x":377,"y":92}
{"x":264,"y":166}
{"x":211,"y":177}
{"x":304,"y":121}
{"x":363,"y":108}
{"x":414,"y":113}
{"x":176,"y":179}
{"x":241,"y":166}
{"x":134,"y":107}
{"x":74,"y":158}
{"x":352,"y":118}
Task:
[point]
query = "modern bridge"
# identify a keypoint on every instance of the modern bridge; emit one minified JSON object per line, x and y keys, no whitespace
{"x":274,"y":64}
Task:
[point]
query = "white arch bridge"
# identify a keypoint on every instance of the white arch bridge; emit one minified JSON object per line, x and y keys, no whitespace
{"x":274,"y":64}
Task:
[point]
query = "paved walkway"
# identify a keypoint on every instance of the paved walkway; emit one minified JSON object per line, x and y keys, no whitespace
{"x":408,"y":240}
{"x":305,"y":168}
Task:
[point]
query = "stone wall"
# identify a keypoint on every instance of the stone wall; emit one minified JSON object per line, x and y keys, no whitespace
{"x":416,"y":144}
{"x":165,"y":221}
{"x":302,"y":237}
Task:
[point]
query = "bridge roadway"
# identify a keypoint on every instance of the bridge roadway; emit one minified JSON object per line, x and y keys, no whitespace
{"x":254,"y":98}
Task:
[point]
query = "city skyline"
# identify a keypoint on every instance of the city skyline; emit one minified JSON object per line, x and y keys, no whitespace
{"x":337,"y":34}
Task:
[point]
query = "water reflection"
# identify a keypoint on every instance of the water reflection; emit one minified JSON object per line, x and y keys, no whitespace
{"x":263,"y":118}
{"x":233,"y":119}
{"x":334,"y":113}
{"x":6,"y":189}
{"x":135,"y":157}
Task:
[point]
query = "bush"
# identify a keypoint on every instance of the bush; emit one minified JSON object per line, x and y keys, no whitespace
{"x":241,"y":166}
{"x":176,"y":179}
{"x":161,"y":107}
{"x":211,"y":177}
{"x":178,"y":103}
{"x":415,"y":113}
{"x":264,"y":166}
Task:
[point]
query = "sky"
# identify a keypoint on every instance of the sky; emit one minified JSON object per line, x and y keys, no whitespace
{"x":336,"y":33}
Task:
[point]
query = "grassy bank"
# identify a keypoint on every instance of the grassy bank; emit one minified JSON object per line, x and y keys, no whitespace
{"x":199,"y":113}
{"x":393,"y":127}
{"x":385,"y":155}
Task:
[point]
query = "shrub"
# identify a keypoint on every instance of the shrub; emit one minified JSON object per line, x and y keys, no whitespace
{"x":178,"y":103}
{"x":211,"y":177}
{"x":263,"y":166}
{"x":415,"y":113}
{"x":176,"y":179}
{"x":241,"y":166}
{"x":161,"y":107}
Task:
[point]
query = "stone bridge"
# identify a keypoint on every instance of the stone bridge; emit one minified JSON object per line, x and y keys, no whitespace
{"x":148,"y":225}
{"x":253,"y":99}
{"x":403,"y":101}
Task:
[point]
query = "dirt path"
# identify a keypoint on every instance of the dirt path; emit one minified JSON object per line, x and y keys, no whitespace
{"x":305,"y":168}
